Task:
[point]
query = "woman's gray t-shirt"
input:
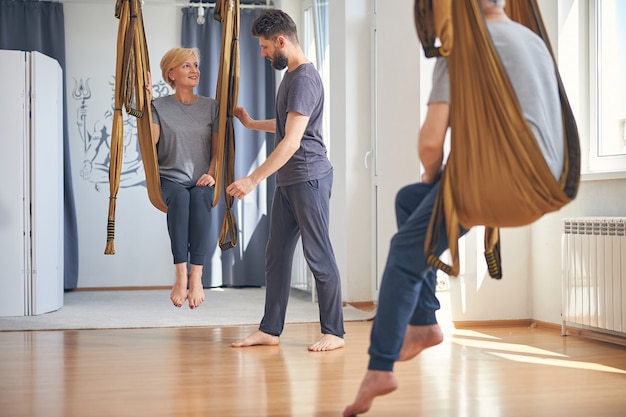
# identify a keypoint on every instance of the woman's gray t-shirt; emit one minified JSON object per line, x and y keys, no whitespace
{"x":531,"y":70}
{"x":184,"y":147}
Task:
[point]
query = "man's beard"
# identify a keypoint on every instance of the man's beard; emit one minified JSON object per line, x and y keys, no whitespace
{"x":279,"y":61}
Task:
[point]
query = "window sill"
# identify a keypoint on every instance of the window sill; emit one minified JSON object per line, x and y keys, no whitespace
{"x":600,"y":176}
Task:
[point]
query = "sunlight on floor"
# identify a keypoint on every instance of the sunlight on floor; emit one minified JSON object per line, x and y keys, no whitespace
{"x":510,"y":347}
{"x":589,"y":366}
{"x":524,"y":353}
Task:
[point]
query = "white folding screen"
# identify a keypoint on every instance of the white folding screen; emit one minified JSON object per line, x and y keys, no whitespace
{"x":31,"y":197}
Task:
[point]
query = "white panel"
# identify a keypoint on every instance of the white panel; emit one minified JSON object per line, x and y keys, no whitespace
{"x":602,"y":289}
{"x":578,"y":278}
{"x":47,"y":184}
{"x":623,"y":280}
{"x":608,"y":281}
{"x":12,"y":162}
{"x":584,"y":279}
{"x":593,"y":280}
{"x":617,"y":287}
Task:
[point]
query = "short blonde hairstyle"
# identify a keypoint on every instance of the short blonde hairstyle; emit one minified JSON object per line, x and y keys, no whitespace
{"x":173,"y":58}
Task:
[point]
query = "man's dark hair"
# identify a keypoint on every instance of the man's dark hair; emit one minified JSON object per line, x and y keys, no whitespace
{"x":272,"y":23}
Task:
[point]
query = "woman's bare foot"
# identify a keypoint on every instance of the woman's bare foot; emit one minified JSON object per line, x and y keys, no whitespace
{"x":374,"y":384}
{"x":195,"y":297}
{"x":257,"y":338}
{"x":327,"y":342}
{"x":418,"y":338}
{"x":178,"y":295}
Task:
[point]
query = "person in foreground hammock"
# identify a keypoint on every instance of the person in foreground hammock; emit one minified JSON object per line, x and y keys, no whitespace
{"x":304,"y":178}
{"x":185,"y":130}
{"x":405,"y":323}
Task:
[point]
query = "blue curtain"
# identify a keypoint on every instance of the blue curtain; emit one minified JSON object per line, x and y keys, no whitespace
{"x":243,"y":265}
{"x":27,"y":25}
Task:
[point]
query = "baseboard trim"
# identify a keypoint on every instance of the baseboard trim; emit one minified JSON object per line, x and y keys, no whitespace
{"x":570,"y":331}
{"x":362,"y":305}
{"x":122,"y":288}
{"x":492,"y":323}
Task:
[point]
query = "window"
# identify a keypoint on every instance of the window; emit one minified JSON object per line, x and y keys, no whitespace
{"x":592,"y":62}
{"x":315,"y":46}
{"x":611,"y":74}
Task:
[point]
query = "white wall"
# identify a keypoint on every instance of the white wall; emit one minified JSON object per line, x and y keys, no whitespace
{"x":141,"y":242}
{"x":398,"y":116}
{"x":350,"y":131}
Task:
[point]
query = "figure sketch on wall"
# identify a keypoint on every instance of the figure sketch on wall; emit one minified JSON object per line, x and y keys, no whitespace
{"x":97,"y":141}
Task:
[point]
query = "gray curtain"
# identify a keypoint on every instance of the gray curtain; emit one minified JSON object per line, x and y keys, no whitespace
{"x":243,"y":265}
{"x":27,"y":25}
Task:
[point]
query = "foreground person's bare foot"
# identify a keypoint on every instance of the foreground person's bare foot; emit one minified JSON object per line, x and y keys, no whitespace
{"x":257,"y":338}
{"x":195,"y":297}
{"x":374,"y":384}
{"x":178,"y":295}
{"x":327,"y":342}
{"x":418,"y":338}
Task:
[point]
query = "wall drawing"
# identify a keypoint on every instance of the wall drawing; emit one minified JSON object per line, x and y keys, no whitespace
{"x":96,"y":139}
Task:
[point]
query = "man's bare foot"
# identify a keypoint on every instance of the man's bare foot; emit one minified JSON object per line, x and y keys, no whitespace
{"x":374,"y":384}
{"x":195,"y":297}
{"x":418,"y":338}
{"x":257,"y":338}
{"x":327,"y":342}
{"x":178,"y":295}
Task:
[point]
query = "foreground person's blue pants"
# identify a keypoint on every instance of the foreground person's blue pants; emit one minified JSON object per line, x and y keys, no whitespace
{"x":407,"y":292}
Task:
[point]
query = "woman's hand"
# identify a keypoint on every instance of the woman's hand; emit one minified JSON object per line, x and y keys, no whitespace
{"x":206,"y":180}
{"x":149,"y":86}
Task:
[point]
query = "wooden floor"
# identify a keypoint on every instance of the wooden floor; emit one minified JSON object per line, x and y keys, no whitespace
{"x":193,"y":372}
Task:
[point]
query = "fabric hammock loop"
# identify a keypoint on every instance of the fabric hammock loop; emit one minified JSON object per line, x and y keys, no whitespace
{"x":433,"y":52}
{"x":492,"y":254}
{"x":227,"y":12}
{"x":135,"y":112}
{"x":131,"y":68}
{"x":526,"y":188}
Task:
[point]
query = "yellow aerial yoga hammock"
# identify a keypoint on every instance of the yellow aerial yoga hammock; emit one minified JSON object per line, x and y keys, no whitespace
{"x":227,"y":12}
{"x":495,"y":175}
{"x":131,"y":78}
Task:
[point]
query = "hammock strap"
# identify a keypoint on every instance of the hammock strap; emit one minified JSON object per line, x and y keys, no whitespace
{"x":131,"y":75}
{"x":227,"y":12}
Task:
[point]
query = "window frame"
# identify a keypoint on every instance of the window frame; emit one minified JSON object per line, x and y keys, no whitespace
{"x":586,"y":87}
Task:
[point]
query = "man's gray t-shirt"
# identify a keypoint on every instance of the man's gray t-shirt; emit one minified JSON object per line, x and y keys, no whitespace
{"x":302,"y":91}
{"x":184,"y":147}
{"x":531,"y":70}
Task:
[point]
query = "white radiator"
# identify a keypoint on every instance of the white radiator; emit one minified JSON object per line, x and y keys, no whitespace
{"x":301,"y":275}
{"x":594,"y":274}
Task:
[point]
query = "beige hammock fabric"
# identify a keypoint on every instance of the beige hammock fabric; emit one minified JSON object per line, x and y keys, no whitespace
{"x":228,"y":13}
{"x":495,"y":175}
{"x":131,"y":76}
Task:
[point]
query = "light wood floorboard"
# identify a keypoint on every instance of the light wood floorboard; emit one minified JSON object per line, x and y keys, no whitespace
{"x":193,"y":372}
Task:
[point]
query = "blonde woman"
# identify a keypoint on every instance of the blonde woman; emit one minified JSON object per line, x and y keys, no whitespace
{"x":185,"y":132}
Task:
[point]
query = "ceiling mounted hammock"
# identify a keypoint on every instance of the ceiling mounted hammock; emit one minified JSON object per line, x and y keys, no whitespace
{"x":489,"y":134}
{"x":228,"y":13}
{"x":132,"y":75}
